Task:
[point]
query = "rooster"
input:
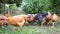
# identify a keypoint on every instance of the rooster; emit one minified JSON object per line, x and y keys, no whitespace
{"x":48,"y":18}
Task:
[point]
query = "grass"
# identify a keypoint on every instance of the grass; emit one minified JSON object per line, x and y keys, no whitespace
{"x":32,"y":30}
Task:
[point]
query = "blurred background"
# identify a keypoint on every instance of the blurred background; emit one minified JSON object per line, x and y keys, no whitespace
{"x":17,"y":7}
{"x":29,"y":6}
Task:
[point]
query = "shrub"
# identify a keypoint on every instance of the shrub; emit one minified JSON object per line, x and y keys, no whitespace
{"x":35,"y":6}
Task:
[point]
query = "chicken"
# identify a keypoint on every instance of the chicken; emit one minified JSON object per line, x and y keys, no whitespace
{"x":30,"y":18}
{"x":40,"y":18}
{"x":3,"y":20}
{"x":48,"y":18}
{"x":17,"y":21}
{"x":54,"y":19}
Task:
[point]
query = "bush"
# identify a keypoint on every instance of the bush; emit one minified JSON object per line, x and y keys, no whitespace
{"x":35,"y":6}
{"x":56,"y":6}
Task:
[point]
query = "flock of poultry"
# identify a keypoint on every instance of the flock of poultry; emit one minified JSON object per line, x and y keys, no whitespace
{"x":19,"y":20}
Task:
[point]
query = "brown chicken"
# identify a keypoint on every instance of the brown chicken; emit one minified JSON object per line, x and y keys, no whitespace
{"x":54,"y":19}
{"x":48,"y":18}
{"x":30,"y":17}
{"x":17,"y":21}
{"x":3,"y":20}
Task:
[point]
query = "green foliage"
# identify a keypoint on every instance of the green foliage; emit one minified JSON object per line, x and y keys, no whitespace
{"x":18,"y":2}
{"x":1,"y":6}
{"x":35,"y":6}
{"x":56,"y":6}
{"x":12,"y":6}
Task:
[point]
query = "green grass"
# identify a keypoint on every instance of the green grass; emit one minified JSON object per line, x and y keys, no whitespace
{"x":32,"y":29}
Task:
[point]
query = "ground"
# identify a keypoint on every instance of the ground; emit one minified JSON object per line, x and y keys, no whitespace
{"x":35,"y":29}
